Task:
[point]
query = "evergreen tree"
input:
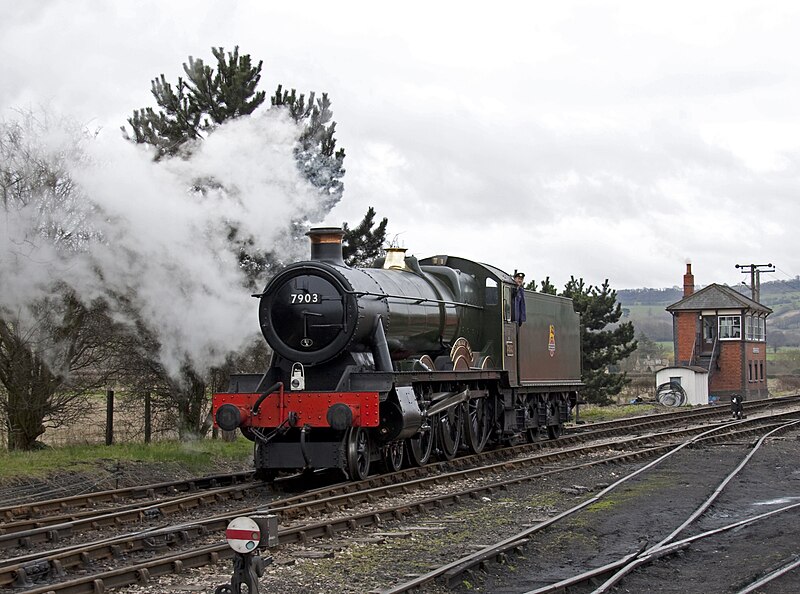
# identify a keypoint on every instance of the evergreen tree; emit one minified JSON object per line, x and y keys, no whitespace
{"x":547,"y":287}
{"x":602,"y":346}
{"x":362,"y":245}
{"x":317,"y":157}
{"x":196,"y":106}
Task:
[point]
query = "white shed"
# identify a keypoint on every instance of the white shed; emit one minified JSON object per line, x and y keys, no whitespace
{"x":692,"y":379}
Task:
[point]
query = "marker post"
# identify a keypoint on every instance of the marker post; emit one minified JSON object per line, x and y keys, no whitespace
{"x":246,"y":535}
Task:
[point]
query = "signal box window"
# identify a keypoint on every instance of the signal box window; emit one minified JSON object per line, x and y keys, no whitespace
{"x":730,"y":327}
{"x":760,"y":329}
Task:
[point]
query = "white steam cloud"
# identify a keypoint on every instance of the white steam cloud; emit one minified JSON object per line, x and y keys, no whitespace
{"x":157,"y":242}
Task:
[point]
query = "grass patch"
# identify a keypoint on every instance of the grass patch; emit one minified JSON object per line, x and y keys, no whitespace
{"x":195,"y":456}
{"x":593,"y":413}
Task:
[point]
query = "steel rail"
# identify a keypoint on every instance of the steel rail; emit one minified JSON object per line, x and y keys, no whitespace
{"x":771,"y":577}
{"x":623,"y":571}
{"x":54,"y":529}
{"x":27,"y":532}
{"x":451,"y":571}
{"x":190,"y":531}
{"x":44,"y":531}
{"x":26,"y":510}
{"x":299,"y":533}
{"x":658,"y":553}
{"x":292,"y":507}
{"x":314,"y":501}
{"x":124,"y":513}
{"x":701,"y":411}
{"x":19,"y":569}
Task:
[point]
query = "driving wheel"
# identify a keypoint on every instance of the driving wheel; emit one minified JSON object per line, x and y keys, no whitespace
{"x":449,"y":424}
{"x":478,"y":421}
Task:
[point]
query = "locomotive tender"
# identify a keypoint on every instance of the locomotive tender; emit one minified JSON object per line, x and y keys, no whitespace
{"x":397,"y":362}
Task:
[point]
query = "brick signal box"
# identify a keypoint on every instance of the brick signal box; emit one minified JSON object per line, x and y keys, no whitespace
{"x":721,"y":330}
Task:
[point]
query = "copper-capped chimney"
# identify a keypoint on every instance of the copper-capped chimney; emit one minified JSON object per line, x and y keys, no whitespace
{"x":688,"y":281}
{"x":326,"y":244}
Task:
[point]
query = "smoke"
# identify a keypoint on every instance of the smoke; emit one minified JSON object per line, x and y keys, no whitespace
{"x":143,"y":230}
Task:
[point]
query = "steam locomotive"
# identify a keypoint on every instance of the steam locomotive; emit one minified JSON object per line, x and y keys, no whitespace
{"x":399,"y":362}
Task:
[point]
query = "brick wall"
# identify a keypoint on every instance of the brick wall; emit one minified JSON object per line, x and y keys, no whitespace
{"x":757,"y":387}
{"x":730,"y":375}
{"x":686,"y":328}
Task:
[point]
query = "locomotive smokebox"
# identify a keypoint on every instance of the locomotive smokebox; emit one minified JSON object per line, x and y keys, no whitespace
{"x":326,"y":245}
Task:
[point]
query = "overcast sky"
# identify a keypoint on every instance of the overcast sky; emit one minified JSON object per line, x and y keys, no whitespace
{"x":597,"y":139}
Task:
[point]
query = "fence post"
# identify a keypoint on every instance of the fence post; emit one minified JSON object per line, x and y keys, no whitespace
{"x":109,"y":417}
{"x":148,"y":421}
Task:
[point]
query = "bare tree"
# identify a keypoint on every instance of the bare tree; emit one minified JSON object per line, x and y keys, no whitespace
{"x":51,"y":344}
{"x":50,"y":364}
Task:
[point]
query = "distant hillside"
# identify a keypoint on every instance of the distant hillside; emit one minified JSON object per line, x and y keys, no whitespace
{"x":645,"y":308}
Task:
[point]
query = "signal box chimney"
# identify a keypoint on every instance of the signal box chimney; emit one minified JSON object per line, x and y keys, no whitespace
{"x":688,"y":281}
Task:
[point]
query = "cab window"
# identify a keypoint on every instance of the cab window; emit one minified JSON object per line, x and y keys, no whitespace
{"x":492,"y":294}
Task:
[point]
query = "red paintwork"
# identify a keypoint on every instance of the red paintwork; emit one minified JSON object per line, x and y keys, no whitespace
{"x":311,"y":407}
{"x":242,"y":535}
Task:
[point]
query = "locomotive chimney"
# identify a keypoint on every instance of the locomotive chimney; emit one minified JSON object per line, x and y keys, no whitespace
{"x":688,"y":281}
{"x":326,"y":244}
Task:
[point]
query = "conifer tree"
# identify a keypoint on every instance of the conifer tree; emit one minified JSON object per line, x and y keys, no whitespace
{"x":604,"y":341}
{"x":197,"y":105}
{"x":362,"y":245}
{"x":547,"y":287}
{"x":317,"y":157}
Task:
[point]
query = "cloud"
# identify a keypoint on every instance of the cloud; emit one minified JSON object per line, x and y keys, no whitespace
{"x":671,"y":131}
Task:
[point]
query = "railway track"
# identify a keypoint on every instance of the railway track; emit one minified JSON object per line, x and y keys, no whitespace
{"x":23,"y":569}
{"x":452,"y":572}
{"x":36,"y":527}
{"x":13,"y":511}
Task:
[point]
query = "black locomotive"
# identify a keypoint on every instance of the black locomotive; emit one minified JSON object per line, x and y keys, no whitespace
{"x":398,"y":362}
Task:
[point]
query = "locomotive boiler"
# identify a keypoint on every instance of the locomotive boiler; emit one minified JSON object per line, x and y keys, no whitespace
{"x":399,"y":362}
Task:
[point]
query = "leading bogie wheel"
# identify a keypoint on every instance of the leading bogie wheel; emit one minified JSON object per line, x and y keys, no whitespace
{"x":393,"y":456}
{"x":358,"y":453}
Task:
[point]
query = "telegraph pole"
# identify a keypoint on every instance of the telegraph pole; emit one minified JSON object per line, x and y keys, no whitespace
{"x":755,"y":271}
